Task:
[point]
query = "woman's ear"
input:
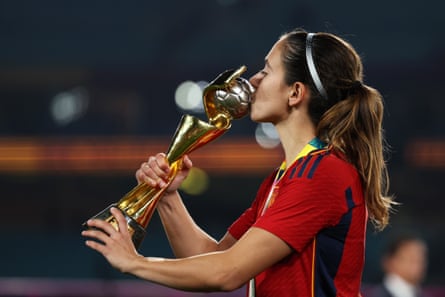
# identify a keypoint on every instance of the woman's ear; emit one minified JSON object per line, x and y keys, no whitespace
{"x":297,"y":93}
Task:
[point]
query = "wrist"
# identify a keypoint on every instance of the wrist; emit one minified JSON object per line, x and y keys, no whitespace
{"x":167,"y":198}
{"x":132,"y":264}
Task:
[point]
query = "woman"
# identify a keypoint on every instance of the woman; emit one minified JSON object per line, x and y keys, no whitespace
{"x":304,"y":234}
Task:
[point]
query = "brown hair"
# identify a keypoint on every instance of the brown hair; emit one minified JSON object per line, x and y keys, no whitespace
{"x":350,"y":117}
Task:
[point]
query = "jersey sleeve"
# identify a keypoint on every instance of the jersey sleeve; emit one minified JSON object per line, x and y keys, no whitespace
{"x":248,"y":218}
{"x":304,"y":205}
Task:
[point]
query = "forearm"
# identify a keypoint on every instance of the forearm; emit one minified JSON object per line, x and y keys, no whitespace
{"x":205,"y":273}
{"x":185,"y":237}
{"x":217,"y":271}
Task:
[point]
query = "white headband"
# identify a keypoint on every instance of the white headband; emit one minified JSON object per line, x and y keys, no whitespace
{"x":311,"y":66}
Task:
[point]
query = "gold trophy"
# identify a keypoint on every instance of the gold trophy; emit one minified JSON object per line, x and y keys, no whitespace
{"x":226,"y":98}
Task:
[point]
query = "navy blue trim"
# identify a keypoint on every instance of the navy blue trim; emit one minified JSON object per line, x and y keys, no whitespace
{"x":295,"y":168}
{"x":293,"y":172}
{"x":349,"y":200}
{"x":314,"y":166}
{"x":329,"y":251}
{"x":303,"y":167}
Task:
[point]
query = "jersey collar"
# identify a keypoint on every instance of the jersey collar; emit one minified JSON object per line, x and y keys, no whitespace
{"x":314,"y":144}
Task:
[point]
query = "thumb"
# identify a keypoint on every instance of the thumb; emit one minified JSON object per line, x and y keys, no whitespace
{"x":121,"y":221}
{"x":187,"y":163}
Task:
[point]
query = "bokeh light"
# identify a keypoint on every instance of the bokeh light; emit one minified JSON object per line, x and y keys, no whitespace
{"x":196,"y":182}
{"x":188,"y":96}
{"x":69,"y":106}
{"x":267,"y":136}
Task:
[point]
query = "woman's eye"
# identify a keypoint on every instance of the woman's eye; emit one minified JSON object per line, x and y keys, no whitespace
{"x":263,"y":72}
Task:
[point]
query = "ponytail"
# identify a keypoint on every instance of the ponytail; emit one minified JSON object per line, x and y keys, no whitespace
{"x":353,"y":126}
{"x":348,"y":114}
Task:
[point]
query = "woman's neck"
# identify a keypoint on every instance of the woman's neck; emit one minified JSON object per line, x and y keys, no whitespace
{"x":293,"y":141}
{"x":295,"y":130}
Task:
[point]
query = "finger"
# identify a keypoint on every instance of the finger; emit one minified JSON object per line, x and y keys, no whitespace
{"x":96,"y":234}
{"x":102,"y":225}
{"x":187,"y":162}
{"x":148,"y":176}
{"x":96,"y":246}
{"x":162,"y":161}
{"x":143,"y":175}
{"x":156,"y":167}
{"x":140,"y":176}
{"x":160,"y":164}
{"x":158,"y":170}
{"x":121,"y":221}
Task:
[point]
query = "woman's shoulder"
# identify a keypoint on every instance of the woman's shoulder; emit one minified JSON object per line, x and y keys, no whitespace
{"x":323,"y":164}
{"x":336,"y":159}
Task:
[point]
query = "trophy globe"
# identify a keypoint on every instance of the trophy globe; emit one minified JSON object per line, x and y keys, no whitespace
{"x":227,"y":97}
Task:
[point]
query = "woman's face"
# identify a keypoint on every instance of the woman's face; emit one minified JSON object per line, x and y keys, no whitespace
{"x":270,"y":101}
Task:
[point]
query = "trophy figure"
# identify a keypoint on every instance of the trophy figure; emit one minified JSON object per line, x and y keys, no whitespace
{"x":226,"y":98}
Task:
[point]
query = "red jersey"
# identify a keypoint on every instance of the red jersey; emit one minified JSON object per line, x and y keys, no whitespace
{"x":319,"y":211}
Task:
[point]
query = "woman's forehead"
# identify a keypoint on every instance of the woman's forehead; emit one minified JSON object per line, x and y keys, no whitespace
{"x":274,"y":55}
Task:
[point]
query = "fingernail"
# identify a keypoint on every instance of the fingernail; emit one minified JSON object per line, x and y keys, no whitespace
{"x":150,"y":182}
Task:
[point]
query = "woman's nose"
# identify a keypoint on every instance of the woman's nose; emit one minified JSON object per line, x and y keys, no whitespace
{"x":254,"y":80}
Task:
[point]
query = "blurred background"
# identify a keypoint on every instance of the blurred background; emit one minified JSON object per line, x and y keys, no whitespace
{"x":89,"y":89}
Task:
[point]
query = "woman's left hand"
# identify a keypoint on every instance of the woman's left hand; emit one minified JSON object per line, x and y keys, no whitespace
{"x":115,"y":245}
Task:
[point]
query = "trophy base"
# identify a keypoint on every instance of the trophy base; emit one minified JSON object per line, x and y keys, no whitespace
{"x":136,"y":230}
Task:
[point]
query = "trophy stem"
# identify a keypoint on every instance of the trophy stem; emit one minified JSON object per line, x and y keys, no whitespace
{"x":139,"y":204}
{"x":191,"y":133}
{"x":144,"y":206}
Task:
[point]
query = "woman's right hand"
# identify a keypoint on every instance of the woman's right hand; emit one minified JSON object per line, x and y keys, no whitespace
{"x":156,"y":170}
